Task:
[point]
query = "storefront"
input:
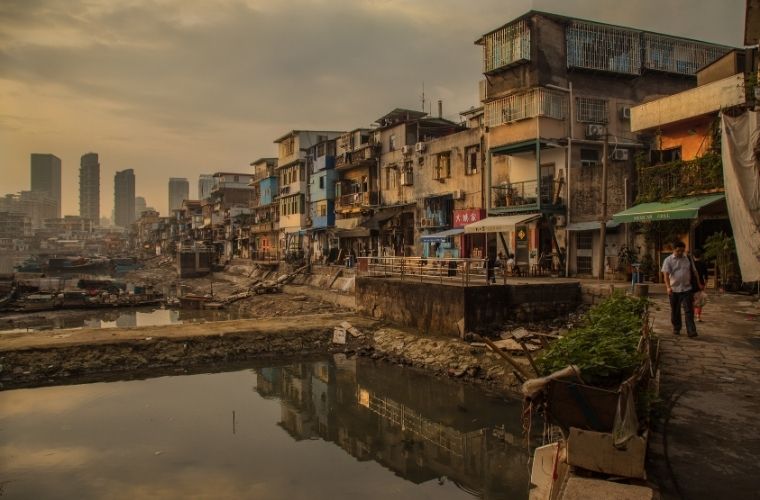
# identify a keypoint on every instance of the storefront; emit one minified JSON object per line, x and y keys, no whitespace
{"x":442,"y":245}
{"x":511,"y":235}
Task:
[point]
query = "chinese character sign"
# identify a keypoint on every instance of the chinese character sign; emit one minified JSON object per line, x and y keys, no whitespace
{"x":467,"y":216}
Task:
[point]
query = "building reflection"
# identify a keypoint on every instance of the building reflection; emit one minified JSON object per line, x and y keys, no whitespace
{"x":419,"y":427}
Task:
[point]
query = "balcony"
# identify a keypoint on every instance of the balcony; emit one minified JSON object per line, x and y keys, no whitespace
{"x":364,"y":156}
{"x":678,"y":179}
{"x":355,"y":201}
{"x":524,"y":195}
{"x":263,"y":227}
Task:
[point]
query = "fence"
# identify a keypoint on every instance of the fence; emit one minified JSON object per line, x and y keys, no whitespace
{"x":462,"y":272}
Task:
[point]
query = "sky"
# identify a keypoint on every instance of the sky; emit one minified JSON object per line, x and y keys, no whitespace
{"x":177,"y":88}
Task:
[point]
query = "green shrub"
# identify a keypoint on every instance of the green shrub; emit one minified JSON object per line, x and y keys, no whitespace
{"x":604,"y":346}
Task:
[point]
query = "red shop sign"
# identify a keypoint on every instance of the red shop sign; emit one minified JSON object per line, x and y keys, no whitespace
{"x":467,"y":216}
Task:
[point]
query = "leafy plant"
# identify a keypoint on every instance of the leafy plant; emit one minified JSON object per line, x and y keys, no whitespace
{"x":648,"y":267}
{"x":722,"y":249}
{"x":605,"y":346}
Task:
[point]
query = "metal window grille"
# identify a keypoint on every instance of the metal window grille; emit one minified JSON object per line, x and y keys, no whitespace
{"x":535,"y":102}
{"x":584,"y":240}
{"x":506,"y":45}
{"x":590,"y":110}
{"x":603,"y":48}
{"x":584,"y":264}
{"x":675,"y":55}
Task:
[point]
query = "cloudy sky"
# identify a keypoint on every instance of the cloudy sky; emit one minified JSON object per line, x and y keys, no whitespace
{"x":176,"y":88}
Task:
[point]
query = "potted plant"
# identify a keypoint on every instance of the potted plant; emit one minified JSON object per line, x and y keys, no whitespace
{"x":625,"y":259}
{"x":648,"y":269}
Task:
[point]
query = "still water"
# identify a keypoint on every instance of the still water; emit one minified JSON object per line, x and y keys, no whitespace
{"x":112,"y":318}
{"x":318,"y":430}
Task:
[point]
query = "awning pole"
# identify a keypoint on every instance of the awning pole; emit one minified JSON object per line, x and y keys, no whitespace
{"x":603,"y":226}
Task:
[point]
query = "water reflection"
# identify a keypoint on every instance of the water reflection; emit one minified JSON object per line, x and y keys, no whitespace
{"x":114,"y":318}
{"x":344,"y":425}
{"x":421,"y":428}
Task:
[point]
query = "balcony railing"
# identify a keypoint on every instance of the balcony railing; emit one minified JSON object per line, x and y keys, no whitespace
{"x":525,"y":194}
{"x":462,"y":272}
{"x":355,"y":200}
{"x":356,"y":158}
{"x":263,"y":227}
{"x":680,"y":178}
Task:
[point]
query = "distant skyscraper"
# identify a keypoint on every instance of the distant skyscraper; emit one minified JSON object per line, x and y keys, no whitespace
{"x":205,"y":185}
{"x":46,"y":177}
{"x":89,"y":187}
{"x":124,"y":197}
{"x":179,"y":189}
{"x":140,"y":206}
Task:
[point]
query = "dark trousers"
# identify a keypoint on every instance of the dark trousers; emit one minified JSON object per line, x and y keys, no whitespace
{"x":685,"y":300}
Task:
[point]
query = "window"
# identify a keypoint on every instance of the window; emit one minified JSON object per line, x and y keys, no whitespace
{"x":590,"y":110}
{"x":407,"y":174}
{"x":506,"y":45}
{"x":322,"y":182}
{"x":589,"y":157}
{"x":287,"y":147}
{"x":322,"y":209}
{"x":471,"y":160}
{"x":583,"y":245}
{"x":665,"y":155}
{"x":519,"y":106}
{"x":442,"y":169}
{"x":392,"y":142}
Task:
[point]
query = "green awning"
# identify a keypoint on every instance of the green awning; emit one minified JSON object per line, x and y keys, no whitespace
{"x":682,"y":208}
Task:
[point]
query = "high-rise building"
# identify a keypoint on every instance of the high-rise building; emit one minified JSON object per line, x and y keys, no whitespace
{"x":205,"y":185}
{"x":89,"y":187}
{"x":179,"y":190}
{"x":140,"y":206}
{"x":46,"y":177}
{"x":124,"y":198}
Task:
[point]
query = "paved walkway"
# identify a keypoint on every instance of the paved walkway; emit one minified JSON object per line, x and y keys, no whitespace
{"x":706,"y":440}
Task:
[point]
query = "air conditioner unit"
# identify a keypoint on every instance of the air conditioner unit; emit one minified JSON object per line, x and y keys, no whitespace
{"x":625,"y":113}
{"x":419,"y":147}
{"x":458,"y":194}
{"x":620,"y":155}
{"x":594,"y":131}
{"x":406,"y":150}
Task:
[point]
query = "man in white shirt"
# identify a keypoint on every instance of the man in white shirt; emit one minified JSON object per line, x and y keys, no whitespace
{"x":677,"y":269}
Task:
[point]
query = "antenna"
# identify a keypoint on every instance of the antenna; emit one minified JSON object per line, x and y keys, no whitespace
{"x":422,"y":97}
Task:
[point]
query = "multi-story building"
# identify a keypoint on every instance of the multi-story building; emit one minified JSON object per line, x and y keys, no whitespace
{"x":89,"y":187}
{"x":680,"y":183}
{"x":230,"y":198}
{"x":321,"y":240}
{"x":293,"y":197}
{"x":140,"y":206}
{"x":357,"y":189}
{"x":265,"y":210}
{"x":124,"y":198}
{"x":205,"y":186}
{"x":46,"y":177}
{"x":419,"y":178}
{"x":556,"y":90}
{"x":36,"y":206}
{"x":179,"y":189}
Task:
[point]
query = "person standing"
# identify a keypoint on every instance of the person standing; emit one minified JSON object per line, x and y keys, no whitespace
{"x":678,"y":271}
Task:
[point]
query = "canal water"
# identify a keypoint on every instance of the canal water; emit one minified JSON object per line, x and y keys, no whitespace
{"x":334,"y":429}
{"x":112,"y":318}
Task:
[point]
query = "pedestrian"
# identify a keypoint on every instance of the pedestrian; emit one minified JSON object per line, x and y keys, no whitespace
{"x":491,"y":268}
{"x":679,"y":271}
{"x":700,"y":297}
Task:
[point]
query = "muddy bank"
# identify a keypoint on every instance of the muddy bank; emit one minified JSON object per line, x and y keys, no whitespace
{"x":48,"y":358}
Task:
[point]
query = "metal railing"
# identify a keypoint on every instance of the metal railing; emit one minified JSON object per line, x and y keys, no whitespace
{"x":462,"y":272}
{"x":524,"y":193}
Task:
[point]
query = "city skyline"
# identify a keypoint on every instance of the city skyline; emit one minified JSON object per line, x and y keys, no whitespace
{"x":237,"y":95}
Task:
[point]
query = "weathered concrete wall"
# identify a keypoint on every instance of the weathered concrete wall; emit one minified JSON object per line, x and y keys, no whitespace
{"x":434,"y":308}
{"x":487,"y":305}
{"x":431,"y":308}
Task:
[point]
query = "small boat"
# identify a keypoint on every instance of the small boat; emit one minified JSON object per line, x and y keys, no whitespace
{"x":30,"y":265}
{"x":41,"y":302}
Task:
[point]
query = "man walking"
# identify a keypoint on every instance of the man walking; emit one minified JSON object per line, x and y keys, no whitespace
{"x":678,"y":272}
